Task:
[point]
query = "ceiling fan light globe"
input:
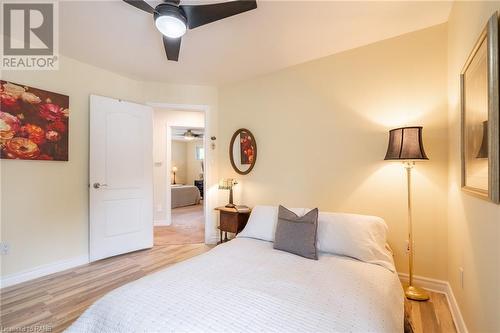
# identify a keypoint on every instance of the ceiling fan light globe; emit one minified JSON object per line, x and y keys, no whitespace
{"x":171,"y":26}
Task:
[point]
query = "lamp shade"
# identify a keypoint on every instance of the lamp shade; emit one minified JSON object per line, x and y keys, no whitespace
{"x":227,"y":184}
{"x":405,"y":143}
{"x":174,"y":169}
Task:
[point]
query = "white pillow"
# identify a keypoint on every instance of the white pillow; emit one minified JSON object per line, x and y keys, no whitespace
{"x":358,"y":236}
{"x":262,"y":222}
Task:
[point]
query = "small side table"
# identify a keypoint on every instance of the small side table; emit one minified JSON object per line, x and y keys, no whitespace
{"x":231,"y":220}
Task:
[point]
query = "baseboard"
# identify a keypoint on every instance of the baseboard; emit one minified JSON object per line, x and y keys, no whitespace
{"x":442,"y":287}
{"x":13,"y":279}
{"x":161,"y":223}
{"x":213,"y":239}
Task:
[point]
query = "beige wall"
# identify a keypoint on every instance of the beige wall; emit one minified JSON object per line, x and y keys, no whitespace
{"x":44,"y":215}
{"x":179,"y":159}
{"x":473,"y":224}
{"x":322,"y":129}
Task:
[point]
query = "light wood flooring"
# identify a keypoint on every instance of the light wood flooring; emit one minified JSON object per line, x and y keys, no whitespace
{"x":188,"y":227}
{"x":433,"y":316}
{"x":52,"y":303}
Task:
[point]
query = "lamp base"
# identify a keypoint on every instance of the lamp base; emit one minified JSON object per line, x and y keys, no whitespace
{"x":416,"y":293}
{"x":230,"y":205}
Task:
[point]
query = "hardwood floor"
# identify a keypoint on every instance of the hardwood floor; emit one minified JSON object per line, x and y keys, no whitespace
{"x":188,"y":227}
{"x":432,"y":316}
{"x":52,"y":303}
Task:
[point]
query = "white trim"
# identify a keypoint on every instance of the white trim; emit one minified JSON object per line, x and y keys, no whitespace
{"x":180,"y":107}
{"x":442,"y":287}
{"x":161,"y":223}
{"x":439,"y":286}
{"x":43,"y":270}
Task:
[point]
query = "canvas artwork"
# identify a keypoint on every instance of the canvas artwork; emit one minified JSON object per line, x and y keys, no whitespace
{"x":33,"y":123}
{"x":247,"y":148}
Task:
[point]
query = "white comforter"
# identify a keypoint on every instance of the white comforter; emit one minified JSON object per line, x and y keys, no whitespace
{"x":246,"y":286}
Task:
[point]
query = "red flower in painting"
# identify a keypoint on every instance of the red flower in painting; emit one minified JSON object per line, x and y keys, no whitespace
{"x":51,"y":112}
{"x":34,"y":133}
{"x":58,"y":126}
{"x":21,"y":148}
{"x":8,"y":102}
{"x":53,"y":136}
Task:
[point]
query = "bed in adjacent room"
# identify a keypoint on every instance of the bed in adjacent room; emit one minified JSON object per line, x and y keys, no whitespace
{"x":184,"y":195}
{"x":247,"y":286}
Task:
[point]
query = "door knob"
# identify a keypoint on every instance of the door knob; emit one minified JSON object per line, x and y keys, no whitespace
{"x":98,"y":185}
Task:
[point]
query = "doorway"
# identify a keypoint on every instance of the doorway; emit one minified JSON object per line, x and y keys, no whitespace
{"x":186,"y":178}
{"x":180,"y":176}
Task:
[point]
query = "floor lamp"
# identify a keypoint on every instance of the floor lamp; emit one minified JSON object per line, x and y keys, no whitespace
{"x":405,"y":144}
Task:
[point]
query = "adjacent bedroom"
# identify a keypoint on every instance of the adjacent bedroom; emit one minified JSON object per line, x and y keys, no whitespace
{"x":249,"y":166}
{"x":179,"y":176}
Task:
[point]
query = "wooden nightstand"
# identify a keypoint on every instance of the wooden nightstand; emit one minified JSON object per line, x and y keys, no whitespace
{"x":231,"y":220}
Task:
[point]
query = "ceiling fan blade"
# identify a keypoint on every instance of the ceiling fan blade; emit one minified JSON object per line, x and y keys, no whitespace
{"x":172,"y":47}
{"x":142,"y":5}
{"x":198,"y":15}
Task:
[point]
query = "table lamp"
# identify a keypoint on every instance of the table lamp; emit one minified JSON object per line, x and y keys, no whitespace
{"x":405,"y":144}
{"x":174,"y":170}
{"x":227,"y":184}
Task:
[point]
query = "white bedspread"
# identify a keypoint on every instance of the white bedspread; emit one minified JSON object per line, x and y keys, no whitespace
{"x":246,"y":286}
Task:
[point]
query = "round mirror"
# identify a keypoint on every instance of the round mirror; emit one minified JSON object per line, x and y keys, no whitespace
{"x":243,"y":151}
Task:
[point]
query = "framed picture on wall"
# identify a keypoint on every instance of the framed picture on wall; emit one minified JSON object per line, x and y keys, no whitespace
{"x":480,"y":116}
{"x":34,"y":123}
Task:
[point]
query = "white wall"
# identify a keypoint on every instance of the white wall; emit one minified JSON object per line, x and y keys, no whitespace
{"x":322,"y":129}
{"x":44,"y":215}
{"x":473,"y":224}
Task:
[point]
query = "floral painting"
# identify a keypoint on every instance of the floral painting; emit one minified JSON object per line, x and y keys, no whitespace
{"x":33,"y":123}
{"x":247,"y":148}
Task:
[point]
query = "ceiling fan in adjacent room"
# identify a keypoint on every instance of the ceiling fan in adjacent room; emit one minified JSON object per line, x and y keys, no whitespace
{"x":173,"y":19}
{"x":190,"y":135}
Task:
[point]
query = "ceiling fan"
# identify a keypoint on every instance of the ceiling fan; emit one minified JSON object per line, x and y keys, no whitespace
{"x":173,"y":19}
{"x":189,"y":135}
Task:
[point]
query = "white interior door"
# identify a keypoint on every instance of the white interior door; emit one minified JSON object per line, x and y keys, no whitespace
{"x":121,"y":177}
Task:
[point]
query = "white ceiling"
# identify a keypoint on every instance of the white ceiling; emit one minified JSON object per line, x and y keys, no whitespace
{"x":278,"y":34}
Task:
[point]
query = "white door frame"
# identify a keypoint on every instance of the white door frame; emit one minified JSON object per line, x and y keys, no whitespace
{"x":208,"y":198}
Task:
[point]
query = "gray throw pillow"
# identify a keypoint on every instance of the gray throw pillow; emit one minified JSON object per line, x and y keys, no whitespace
{"x":297,"y":234}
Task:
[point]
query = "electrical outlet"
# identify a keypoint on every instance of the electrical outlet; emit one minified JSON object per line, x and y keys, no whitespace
{"x":461,"y":274}
{"x":4,"y":248}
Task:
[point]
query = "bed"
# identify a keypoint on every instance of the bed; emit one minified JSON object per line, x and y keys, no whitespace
{"x":185,"y":195}
{"x":247,"y":286}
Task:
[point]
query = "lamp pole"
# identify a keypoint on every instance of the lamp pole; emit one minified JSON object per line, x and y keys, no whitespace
{"x":411,"y":291}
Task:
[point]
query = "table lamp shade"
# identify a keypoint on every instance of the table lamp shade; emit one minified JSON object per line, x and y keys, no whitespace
{"x":227,"y":184}
{"x":405,"y":143}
